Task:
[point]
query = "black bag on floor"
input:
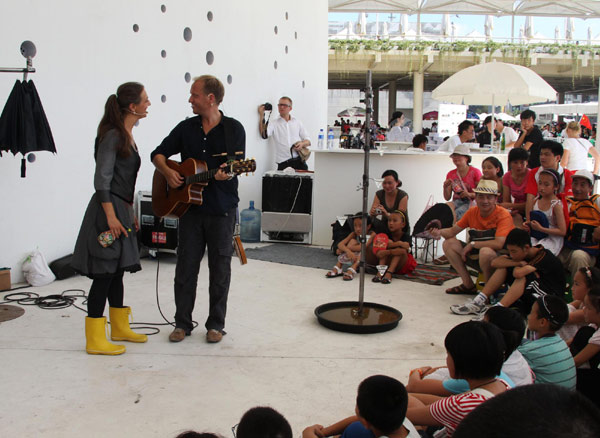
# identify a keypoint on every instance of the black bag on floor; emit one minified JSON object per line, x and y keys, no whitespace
{"x":339,"y":233}
{"x":61,"y":268}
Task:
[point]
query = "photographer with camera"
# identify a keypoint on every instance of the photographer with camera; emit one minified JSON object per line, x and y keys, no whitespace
{"x":288,"y":133}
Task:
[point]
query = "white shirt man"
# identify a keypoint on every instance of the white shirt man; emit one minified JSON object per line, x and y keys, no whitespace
{"x":466,"y":132}
{"x":286,"y":131}
{"x":510,"y":135}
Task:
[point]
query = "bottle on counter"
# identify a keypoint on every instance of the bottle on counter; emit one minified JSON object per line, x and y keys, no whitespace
{"x":330,"y":139}
{"x":321,"y":139}
{"x":502,"y":143}
{"x":250,"y":224}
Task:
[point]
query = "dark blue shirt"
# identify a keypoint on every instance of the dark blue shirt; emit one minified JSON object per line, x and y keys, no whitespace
{"x":189,"y":139}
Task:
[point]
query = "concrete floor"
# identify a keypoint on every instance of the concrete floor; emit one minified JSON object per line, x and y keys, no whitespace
{"x":275,"y":353}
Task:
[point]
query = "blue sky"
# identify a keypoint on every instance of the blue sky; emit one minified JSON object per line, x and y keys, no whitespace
{"x":502,"y":25}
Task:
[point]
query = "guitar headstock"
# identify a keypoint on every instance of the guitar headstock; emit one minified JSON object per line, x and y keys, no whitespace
{"x":242,"y":166}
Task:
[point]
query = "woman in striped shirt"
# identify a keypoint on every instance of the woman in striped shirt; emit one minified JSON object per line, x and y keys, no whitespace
{"x":475,"y":353}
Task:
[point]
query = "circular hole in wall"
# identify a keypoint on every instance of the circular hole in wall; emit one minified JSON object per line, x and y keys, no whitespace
{"x":188,"y":77}
{"x":286,"y":50}
{"x":210,"y":57}
{"x":275,"y":30}
{"x":163,"y":98}
{"x":136,"y":28}
{"x":163,"y":8}
{"x":209,"y":16}
{"x":229,"y":79}
{"x":163,"y":53}
{"x":295,"y":35}
{"x":275,"y":65}
{"x":303,"y":84}
{"x":187,"y":34}
{"x":286,"y":16}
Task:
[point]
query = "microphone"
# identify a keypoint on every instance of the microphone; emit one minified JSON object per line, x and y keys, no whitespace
{"x":136,"y":114}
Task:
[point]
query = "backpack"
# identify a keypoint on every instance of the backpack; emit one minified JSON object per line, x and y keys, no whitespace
{"x":339,"y":233}
{"x":584,"y":217}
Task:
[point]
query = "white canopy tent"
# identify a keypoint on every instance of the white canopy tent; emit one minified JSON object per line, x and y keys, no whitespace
{"x":566,"y":108}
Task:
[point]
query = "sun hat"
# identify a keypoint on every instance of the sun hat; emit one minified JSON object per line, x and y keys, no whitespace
{"x":462,"y":149}
{"x":486,"y":187}
{"x":584,"y":174}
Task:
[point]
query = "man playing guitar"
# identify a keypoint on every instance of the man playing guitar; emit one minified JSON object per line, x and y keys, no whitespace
{"x":213,"y":138}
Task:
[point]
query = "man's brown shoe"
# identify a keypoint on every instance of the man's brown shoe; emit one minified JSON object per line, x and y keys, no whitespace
{"x":177,"y":335}
{"x":213,"y":336}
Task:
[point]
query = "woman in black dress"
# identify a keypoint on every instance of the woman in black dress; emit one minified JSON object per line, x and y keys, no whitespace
{"x":107,"y":243}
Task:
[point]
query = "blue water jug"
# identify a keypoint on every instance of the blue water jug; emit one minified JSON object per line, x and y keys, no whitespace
{"x":250,"y":224}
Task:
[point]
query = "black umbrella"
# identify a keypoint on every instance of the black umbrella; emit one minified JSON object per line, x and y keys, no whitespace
{"x":438,"y":216}
{"x":24,"y":127}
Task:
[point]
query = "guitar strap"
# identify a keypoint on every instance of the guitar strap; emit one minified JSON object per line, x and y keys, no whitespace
{"x":232,"y":154}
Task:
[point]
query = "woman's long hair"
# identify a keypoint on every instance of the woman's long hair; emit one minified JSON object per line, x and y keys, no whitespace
{"x":114,"y":114}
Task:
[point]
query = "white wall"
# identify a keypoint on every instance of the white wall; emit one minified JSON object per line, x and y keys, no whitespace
{"x":86,"y":49}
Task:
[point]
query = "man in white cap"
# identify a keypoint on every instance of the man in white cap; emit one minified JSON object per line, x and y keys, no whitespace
{"x":489,"y":225}
{"x":580,"y":248}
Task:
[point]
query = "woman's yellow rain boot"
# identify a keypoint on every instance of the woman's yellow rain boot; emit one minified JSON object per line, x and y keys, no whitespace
{"x":119,"y":326}
{"x":95,"y":336}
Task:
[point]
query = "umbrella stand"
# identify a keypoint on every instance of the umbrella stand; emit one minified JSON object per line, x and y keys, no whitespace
{"x":358,"y":316}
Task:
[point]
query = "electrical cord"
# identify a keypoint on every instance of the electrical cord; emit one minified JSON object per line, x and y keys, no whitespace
{"x":291,"y":209}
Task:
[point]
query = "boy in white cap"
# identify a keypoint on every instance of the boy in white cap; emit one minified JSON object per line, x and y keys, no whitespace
{"x":489,"y":224}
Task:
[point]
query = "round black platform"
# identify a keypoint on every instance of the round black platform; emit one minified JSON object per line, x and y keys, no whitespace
{"x":343,"y":316}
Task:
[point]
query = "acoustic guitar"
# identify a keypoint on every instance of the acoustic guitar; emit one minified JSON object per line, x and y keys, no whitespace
{"x":173,"y":202}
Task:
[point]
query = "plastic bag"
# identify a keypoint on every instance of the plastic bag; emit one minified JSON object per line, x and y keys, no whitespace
{"x":36,"y":270}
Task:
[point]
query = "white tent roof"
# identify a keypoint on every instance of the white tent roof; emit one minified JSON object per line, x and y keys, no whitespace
{"x":538,"y":8}
{"x":566,"y":108}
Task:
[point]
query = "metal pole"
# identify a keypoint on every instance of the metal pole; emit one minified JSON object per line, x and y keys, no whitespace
{"x":367,"y":147}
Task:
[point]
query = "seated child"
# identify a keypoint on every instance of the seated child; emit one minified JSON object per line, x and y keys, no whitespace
{"x":586,"y":347}
{"x":380,"y":411}
{"x":515,"y":370}
{"x":349,"y":249}
{"x":461,"y":181}
{"x":580,"y":248}
{"x":514,"y":182}
{"x":529,"y":271}
{"x":583,"y":281}
{"x":492,"y":170}
{"x":547,"y":224}
{"x":475,"y":353}
{"x":548,"y":355}
{"x":396,"y":256}
{"x":263,"y":422}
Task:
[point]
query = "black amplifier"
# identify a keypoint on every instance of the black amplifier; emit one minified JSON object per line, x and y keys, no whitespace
{"x":155,"y":233}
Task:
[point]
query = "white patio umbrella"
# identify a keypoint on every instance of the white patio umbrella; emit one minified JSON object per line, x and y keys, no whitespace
{"x":355,"y":111}
{"x":494,"y":83}
{"x":569,"y":28}
{"x":488,"y":26}
{"x":529,"y":27}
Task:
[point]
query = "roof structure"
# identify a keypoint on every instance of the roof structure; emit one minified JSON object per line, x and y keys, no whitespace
{"x":538,"y":8}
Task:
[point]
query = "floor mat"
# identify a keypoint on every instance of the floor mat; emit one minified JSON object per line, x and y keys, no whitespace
{"x":430,"y":274}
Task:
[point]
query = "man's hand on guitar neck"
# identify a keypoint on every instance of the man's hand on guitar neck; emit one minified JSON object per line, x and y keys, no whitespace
{"x":221,"y":175}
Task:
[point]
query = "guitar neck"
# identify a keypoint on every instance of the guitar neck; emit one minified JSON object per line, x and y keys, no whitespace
{"x":201,"y":177}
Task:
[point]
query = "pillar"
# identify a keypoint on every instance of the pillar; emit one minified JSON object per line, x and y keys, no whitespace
{"x":418,"y":102}
{"x":391,"y":99}
{"x":376,"y":104}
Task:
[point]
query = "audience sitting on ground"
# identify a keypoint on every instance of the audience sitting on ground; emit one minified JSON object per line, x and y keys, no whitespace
{"x":576,"y":150}
{"x":514,"y":182}
{"x":263,"y":422}
{"x":492,"y":170}
{"x":387,"y":200}
{"x":461,"y":181}
{"x":466,"y":134}
{"x":475,"y":353}
{"x":547,"y":354}
{"x":528,"y":271}
{"x":485,"y":136}
{"x":581,"y":244}
{"x":585,"y":347}
{"x":349,"y":249}
{"x":584,"y":279}
{"x":509,"y":134}
{"x":548,"y":411}
{"x":489,"y":225}
{"x":419,"y":143}
{"x":393,"y":249}
{"x":530,"y":138}
{"x":547,"y":225}
{"x":549,"y":156}
{"x":381,"y":406}
{"x":515,"y":370}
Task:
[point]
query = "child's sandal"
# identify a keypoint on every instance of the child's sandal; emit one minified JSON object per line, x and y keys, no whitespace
{"x":335,"y":272}
{"x":349,"y":274}
{"x":385,"y":280}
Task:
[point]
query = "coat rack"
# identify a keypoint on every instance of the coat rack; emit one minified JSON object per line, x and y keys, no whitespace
{"x":28,"y":51}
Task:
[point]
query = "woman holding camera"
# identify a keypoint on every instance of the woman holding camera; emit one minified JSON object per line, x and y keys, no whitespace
{"x":107,"y":243}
